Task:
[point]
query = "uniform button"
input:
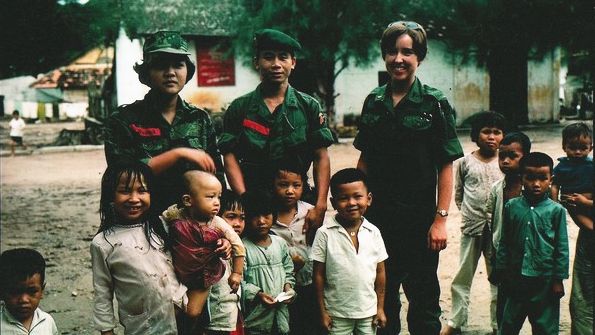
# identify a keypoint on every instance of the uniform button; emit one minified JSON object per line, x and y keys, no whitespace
{"x":526,"y":238}
{"x":532,"y":207}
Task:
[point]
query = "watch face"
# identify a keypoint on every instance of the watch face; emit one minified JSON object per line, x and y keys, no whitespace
{"x":442,"y":212}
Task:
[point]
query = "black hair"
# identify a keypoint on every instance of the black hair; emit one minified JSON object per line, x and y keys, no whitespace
{"x":19,"y":264}
{"x":487,"y":119}
{"x":131,"y":170}
{"x":536,"y":159}
{"x":576,"y":130}
{"x":347,"y":176}
{"x":257,"y":203}
{"x":230,"y":201}
{"x":520,"y":138}
{"x":16,"y":112}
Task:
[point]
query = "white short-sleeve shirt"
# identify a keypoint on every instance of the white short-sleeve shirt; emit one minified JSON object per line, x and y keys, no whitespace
{"x":350,"y":274}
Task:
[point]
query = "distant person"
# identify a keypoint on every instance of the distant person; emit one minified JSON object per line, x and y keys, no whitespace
{"x":129,"y":258}
{"x":162,"y":130}
{"x":510,"y":152}
{"x":22,"y":281}
{"x":349,"y":255}
{"x":268,"y":282}
{"x":16,"y":124}
{"x":224,"y":302}
{"x":291,"y":211}
{"x":194,"y":230}
{"x":532,"y":257}
{"x":573,"y":184}
{"x":408,"y":143}
{"x":275,"y":122}
{"x":475,"y":174}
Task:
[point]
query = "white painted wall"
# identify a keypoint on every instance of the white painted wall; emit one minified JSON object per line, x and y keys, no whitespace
{"x":544,"y":87}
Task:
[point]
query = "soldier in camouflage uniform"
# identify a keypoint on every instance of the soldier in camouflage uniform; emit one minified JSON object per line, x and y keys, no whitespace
{"x":276,"y":123}
{"x":162,"y":130}
{"x":408,"y":142}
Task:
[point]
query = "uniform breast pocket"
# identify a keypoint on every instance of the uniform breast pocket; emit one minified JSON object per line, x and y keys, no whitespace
{"x":296,"y":137}
{"x":418,"y":122}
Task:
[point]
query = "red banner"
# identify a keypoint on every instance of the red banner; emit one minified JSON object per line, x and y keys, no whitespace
{"x":216,"y":66}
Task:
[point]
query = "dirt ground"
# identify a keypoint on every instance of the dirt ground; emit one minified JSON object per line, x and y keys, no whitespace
{"x":49,"y":202}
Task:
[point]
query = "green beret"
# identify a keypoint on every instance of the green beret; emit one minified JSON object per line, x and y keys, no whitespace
{"x":274,"y":39}
{"x":166,"y":41}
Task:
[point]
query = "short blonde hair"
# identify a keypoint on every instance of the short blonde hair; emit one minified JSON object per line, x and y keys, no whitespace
{"x":398,"y":28}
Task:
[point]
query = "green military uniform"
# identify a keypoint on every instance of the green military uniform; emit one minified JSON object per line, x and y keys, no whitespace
{"x":533,"y":252}
{"x":259,"y":138}
{"x":138,"y":131}
{"x":404,"y":147}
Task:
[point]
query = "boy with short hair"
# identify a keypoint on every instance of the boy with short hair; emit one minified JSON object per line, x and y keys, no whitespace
{"x":16,"y":131}
{"x":349,"y":254}
{"x":476,"y":172}
{"x":532,"y":258}
{"x":22,"y":281}
{"x":573,"y":181}
{"x":512,"y":148}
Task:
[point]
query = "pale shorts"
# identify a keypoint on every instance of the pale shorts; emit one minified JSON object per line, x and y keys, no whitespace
{"x":342,"y":326}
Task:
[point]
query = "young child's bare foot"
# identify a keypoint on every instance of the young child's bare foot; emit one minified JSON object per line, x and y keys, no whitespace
{"x":448,"y":330}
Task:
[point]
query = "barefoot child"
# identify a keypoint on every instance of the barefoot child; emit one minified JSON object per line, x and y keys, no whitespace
{"x":476,"y":172}
{"x":349,"y":255}
{"x":573,"y":181}
{"x":223,"y":301}
{"x":532,"y":258}
{"x":22,"y":281}
{"x":288,"y":187}
{"x":129,"y":258}
{"x":268,"y":275}
{"x":512,"y":148}
{"x":194,"y":232}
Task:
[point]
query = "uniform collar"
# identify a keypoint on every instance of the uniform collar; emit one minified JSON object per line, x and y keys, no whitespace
{"x":182,"y":107}
{"x":415,"y":94}
{"x":290,"y":99}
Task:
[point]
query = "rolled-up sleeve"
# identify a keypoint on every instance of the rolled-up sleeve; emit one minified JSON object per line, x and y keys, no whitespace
{"x":449,"y":148}
{"x":319,"y":135}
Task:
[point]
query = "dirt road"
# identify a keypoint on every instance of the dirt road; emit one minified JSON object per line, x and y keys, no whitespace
{"x":49,"y":202}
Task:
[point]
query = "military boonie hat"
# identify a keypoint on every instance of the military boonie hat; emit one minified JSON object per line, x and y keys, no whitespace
{"x":271,"y":38}
{"x":166,"y":41}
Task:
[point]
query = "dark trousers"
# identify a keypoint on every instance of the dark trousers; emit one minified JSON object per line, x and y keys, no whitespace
{"x":412,"y":265}
{"x":304,"y":316}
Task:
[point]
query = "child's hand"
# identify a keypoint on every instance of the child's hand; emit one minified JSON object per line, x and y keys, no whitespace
{"x":223,"y":248}
{"x":575,"y":199}
{"x":266,"y":299}
{"x":298,"y":262}
{"x":234,"y":281}
{"x":325,"y":321}
{"x":287,"y":288}
{"x":379,"y":320}
{"x":558,"y":289}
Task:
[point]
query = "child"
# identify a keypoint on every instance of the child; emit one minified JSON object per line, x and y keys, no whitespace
{"x":475,"y":175}
{"x":573,"y":178}
{"x":129,"y":258}
{"x":16,"y":131}
{"x":532,"y":258}
{"x":349,"y":255}
{"x":268,"y":274}
{"x":512,"y":148}
{"x":223,"y":302}
{"x":288,"y":187}
{"x":22,"y":281}
{"x":194,"y":232}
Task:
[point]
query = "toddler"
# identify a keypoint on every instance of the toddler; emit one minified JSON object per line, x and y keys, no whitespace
{"x":288,"y":187}
{"x":476,"y":172}
{"x":129,"y":258}
{"x":268,"y":275}
{"x":573,"y":178}
{"x":194,"y":231}
{"x":22,"y":281}
{"x":223,"y":301}
{"x":349,"y":255}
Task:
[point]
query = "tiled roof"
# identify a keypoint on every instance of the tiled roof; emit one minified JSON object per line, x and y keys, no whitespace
{"x":189,"y":17}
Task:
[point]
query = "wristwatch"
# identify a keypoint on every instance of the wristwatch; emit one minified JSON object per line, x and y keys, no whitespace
{"x":442,"y":212}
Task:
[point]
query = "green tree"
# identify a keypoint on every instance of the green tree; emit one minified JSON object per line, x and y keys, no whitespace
{"x":505,"y":34}
{"x":333,"y":34}
{"x":39,"y":35}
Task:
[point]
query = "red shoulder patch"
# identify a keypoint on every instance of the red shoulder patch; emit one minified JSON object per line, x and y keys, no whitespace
{"x":146,"y":132}
{"x":257,"y":127}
